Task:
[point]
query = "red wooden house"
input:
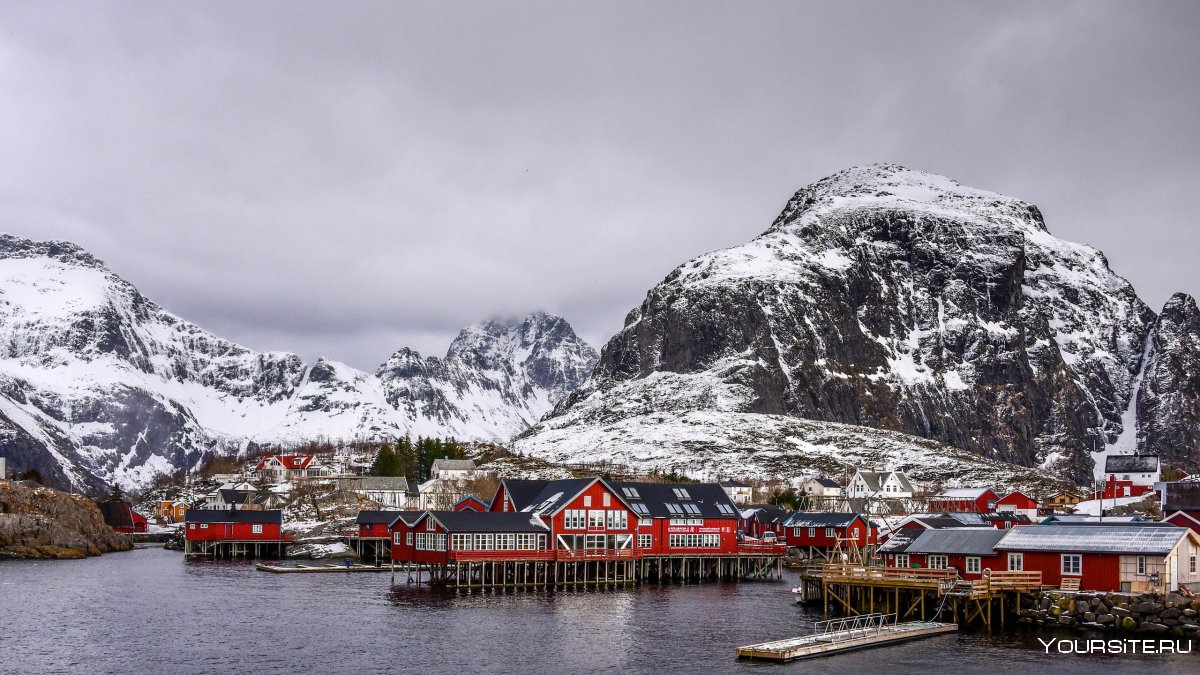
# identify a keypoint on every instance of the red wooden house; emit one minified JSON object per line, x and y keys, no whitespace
{"x":1019,"y":503}
{"x":120,"y":516}
{"x":969,"y":550}
{"x":675,"y":519}
{"x":1132,"y":557}
{"x":1188,"y":519}
{"x":758,"y":520}
{"x":241,"y":526}
{"x":824,"y":531}
{"x":965,"y":500}
{"x":444,"y":537}
{"x":470,"y":503}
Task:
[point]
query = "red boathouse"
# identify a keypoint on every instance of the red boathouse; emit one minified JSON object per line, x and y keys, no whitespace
{"x":221,"y":533}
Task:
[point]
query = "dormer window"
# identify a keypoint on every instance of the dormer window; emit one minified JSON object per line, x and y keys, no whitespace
{"x":680,"y":493}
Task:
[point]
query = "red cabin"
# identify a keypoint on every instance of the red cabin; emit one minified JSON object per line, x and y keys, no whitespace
{"x":120,"y":516}
{"x":823,"y":531}
{"x":1018,"y":503}
{"x":965,"y":500}
{"x":1188,"y":519}
{"x":759,"y":520}
{"x":969,"y":550}
{"x":1130,"y":558}
{"x":442,"y":537}
{"x":470,"y":503}
{"x":239,"y":526}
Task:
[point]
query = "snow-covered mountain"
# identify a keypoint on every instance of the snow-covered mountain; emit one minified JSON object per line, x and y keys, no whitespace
{"x":99,"y":384}
{"x":897,"y":300}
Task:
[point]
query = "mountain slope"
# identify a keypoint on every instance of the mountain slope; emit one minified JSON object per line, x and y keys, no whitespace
{"x":892,"y":299}
{"x":99,"y":384}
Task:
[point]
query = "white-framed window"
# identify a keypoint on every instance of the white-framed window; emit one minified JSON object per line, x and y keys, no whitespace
{"x":587,"y":500}
{"x":607,"y":499}
{"x":573,"y":519}
{"x":937,"y":562}
{"x":439,"y":542}
{"x":204,"y":526}
{"x":460,"y":542}
{"x":191,"y":526}
{"x":1016,"y":562}
{"x":256,"y":529}
{"x":645,"y":541}
{"x":527,"y":541}
{"x":429,"y":524}
{"x":396,"y":538}
{"x":972,"y":565}
{"x":1072,"y":563}
{"x":901,"y":560}
{"x":854,"y":533}
{"x":618,"y":520}
{"x":483,"y":542}
{"x":694,"y":541}
{"x":408,"y":538}
{"x":1192,"y":564}
{"x":505,"y":542}
{"x":830,"y":532}
{"x":812,"y":532}
{"x":596,"y":518}
{"x":1141,"y":565}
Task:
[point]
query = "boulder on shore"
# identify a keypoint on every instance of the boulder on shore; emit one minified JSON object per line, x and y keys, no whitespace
{"x":39,"y":522}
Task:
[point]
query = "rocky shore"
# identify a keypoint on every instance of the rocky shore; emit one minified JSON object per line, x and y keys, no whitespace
{"x":39,"y":522}
{"x":1172,"y":614}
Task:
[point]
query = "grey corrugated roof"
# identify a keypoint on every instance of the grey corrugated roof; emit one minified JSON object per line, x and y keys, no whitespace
{"x":1131,"y":464}
{"x":489,"y":521}
{"x":1130,"y":538}
{"x":957,"y":541}
{"x":372,"y":517}
{"x":819,"y":519}
{"x":376,"y":483}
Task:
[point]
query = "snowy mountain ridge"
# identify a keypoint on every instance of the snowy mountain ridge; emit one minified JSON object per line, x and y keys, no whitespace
{"x":98,"y":384}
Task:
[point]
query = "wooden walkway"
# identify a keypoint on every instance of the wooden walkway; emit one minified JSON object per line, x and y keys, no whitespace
{"x":317,"y":569}
{"x":842,"y":635}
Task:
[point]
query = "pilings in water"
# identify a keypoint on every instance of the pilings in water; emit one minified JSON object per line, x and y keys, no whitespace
{"x":234,"y":549}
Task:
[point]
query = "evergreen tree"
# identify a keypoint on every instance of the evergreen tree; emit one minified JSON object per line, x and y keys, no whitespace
{"x":386,"y":463}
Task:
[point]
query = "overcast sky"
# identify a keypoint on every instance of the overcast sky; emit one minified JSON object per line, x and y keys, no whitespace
{"x":344,"y":179}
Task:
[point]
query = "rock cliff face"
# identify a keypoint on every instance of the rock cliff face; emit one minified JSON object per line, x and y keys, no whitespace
{"x":38,"y":522}
{"x":898,"y":300}
{"x":100,"y":385}
{"x":1168,"y":403}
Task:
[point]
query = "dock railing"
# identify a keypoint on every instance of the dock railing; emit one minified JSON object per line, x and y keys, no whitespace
{"x":907,"y":576}
{"x":853,"y":627}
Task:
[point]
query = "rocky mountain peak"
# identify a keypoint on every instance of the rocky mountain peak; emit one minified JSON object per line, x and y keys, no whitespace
{"x":62,"y":251}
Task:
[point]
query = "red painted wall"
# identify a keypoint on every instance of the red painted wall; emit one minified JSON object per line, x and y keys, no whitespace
{"x":1101,"y":572}
{"x":1183,"y":521}
{"x":866,"y":535}
{"x":232,"y":532}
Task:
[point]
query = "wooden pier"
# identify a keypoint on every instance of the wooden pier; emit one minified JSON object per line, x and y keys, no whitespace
{"x":846,"y":634}
{"x":317,"y":569}
{"x":918,"y":593}
{"x":253,"y":548}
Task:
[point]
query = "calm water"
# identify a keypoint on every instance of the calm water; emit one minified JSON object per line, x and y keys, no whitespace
{"x":148,"y":611}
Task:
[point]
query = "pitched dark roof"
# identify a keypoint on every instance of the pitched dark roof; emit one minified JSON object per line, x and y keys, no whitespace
{"x":556,"y":493}
{"x":116,"y":513}
{"x":733,"y":484}
{"x":1181,"y":496}
{"x":819,"y":519}
{"x":899,"y":541}
{"x":678,"y":500}
{"x":1131,"y":464}
{"x":943,"y":521}
{"x":489,"y":521}
{"x":957,"y":541}
{"x":239,"y":516}
{"x":829,"y":483}
{"x":522,"y":492}
{"x":237,"y":496}
{"x":377,"y":517}
{"x":410,"y":518}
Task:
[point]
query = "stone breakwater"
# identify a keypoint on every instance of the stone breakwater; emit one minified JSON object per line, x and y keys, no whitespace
{"x":1171,"y":614}
{"x":38,"y":522}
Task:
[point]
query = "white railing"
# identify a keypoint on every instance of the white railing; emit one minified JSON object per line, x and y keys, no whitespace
{"x":853,"y":627}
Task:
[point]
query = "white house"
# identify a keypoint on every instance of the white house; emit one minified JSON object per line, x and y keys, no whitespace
{"x":231,"y":496}
{"x":739,"y":492}
{"x":879,"y":485}
{"x":280,"y":468}
{"x":389,"y":493}
{"x":821,"y":487}
{"x":1139,"y":470}
{"x":454,"y":469}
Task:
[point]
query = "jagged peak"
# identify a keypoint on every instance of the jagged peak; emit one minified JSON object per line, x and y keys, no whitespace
{"x":12,"y":246}
{"x":1180,"y":305}
{"x":894,"y":187}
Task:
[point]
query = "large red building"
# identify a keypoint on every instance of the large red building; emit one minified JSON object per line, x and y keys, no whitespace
{"x":965,"y":500}
{"x":970,"y":550}
{"x":683,"y":518}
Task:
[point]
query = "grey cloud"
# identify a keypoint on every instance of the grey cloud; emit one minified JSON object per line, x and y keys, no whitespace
{"x":344,"y":179}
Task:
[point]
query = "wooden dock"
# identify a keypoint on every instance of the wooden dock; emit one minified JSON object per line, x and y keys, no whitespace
{"x":842,"y":635}
{"x":317,"y":569}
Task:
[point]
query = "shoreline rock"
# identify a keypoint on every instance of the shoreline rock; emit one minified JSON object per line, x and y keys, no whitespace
{"x":42,"y":523}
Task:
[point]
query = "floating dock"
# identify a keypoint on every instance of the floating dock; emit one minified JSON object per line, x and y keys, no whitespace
{"x":317,"y":569}
{"x":842,"y":635}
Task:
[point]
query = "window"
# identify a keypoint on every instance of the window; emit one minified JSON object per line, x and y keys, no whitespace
{"x":408,"y":538}
{"x":854,"y":533}
{"x":631,"y":493}
{"x":937,"y":562}
{"x":1072,"y":563}
{"x":529,"y":542}
{"x":972,"y":565}
{"x":505,"y":542}
{"x":694,"y":541}
{"x":460,"y":542}
{"x":680,"y":493}
{"x":429,"y":524}
{"x":1016,"y":562}
{"x":902,"y":560}
{"x":812,"y":532}
{"x":830,"y":532}
{"x":256,"y":529}
{"x":596,"y":519}
{"x":483,"y":542}
{"x":191,"y":526}
{"x":204,"y":526}
{"x":618,"y":520}
{"x":396,"y":538}
{"x":587,"y":500}
{"x":607,"y":499}
{"x":573,"y":519}
{"x":1192,"y":564}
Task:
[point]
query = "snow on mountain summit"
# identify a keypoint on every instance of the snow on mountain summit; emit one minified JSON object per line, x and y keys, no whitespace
{"x":98,"y":384}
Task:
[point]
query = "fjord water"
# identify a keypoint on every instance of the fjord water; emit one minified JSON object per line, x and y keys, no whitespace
{"x":147,"y":611}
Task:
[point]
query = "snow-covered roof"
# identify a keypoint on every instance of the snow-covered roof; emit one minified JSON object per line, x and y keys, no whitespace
{"x":820,"y":519}
{"x":378,"y":483}
{"x":443,"y":464}
{"x":1132,"y":538}
{"x":963,"y":493}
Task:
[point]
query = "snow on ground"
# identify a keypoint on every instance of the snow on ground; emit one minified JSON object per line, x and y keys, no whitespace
{"x":1092,"y":506}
